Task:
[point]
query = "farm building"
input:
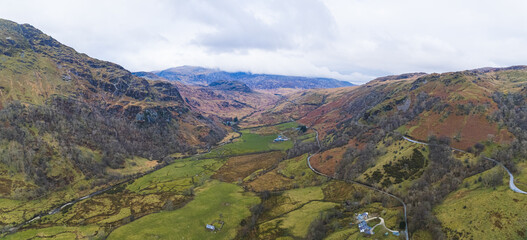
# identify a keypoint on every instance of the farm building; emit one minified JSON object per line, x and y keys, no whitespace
{"x":280,"y":138}
{"x":362,"y":216}
{"x":363,"y":225}
{"x":364,"y":228}
{"x":210,"y":227}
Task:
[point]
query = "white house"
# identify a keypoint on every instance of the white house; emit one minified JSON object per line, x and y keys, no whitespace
{"x":210,"y":227}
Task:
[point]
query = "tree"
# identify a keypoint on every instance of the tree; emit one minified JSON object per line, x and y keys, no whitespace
{"x":479,"y":147}
{"x":494,"y":178}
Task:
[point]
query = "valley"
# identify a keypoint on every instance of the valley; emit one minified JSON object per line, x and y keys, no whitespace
{"x":190,"y":176}
{"x":89,"y":150}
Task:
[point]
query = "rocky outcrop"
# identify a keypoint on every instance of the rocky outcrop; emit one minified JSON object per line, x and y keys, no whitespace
{"x":230,"y":86}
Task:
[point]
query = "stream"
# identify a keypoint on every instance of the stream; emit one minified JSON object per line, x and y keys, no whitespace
{"x":59,"y":208}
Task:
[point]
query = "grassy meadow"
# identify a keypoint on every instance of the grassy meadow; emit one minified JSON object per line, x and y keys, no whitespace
{"x":213,"y":201}
{"x":478,"y":212}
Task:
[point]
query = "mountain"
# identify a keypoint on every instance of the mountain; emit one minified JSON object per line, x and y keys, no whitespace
{"x":69,"y":120}
{"x":479,"y":112}
{"x":205,"y":76}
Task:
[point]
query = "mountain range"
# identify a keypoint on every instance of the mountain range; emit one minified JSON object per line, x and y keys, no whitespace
{"x":205,"y":76}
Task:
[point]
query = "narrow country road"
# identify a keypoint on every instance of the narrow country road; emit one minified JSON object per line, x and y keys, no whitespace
{"x":512,"y":186}
{"x":380,"y":224}
{"x":359,"y":183}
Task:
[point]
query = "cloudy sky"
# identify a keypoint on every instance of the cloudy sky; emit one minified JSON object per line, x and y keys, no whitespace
{"x":354,"y":40}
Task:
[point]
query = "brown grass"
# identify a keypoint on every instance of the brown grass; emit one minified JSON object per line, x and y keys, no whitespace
{"x":327,"y":161}
{"x":473,"y":128}
{"x":271,"y":181}
{"x":340,"y":191}
{"x":238,"y":168}
{"x":5,"y":186}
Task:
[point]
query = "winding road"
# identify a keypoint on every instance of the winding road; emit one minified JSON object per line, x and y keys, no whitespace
{"x":511,"y":179}
{"x":512,"y":186}
{"x":380,"y":224}
{"x":359,"y":183}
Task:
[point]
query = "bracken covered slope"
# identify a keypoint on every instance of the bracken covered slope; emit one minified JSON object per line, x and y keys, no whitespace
{"x":460,"y":105}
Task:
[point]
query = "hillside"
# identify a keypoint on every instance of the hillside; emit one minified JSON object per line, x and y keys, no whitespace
{"x":75,"y":123}
{"x":460,"y":107}
{"x":226,"y":100}
{"x":205,"y":76}
{"x":479,"y":111}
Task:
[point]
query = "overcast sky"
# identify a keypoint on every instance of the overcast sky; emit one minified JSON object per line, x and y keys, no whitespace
{"x":354,"y":40}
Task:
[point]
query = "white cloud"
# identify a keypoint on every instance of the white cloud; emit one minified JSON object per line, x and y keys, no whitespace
{"x":353,"y":40}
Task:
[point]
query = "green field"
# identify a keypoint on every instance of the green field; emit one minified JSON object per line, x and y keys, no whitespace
{"x":291,"y":200}
{"x":176,"y":177}
{"x":290,"y":173}
{"x":287,"y":125}
{"x":214,"y":201}
{"x":478,"y":212}
{"x":250,"y":143}
{"x":294,"y":223}
{"x":297,"y":169}
{"x":297,"y":222}
{"x":66,"y":233}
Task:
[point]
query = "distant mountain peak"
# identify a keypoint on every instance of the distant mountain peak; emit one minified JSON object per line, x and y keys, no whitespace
{"x":187,"y":70}
{"x":204,"y":76}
